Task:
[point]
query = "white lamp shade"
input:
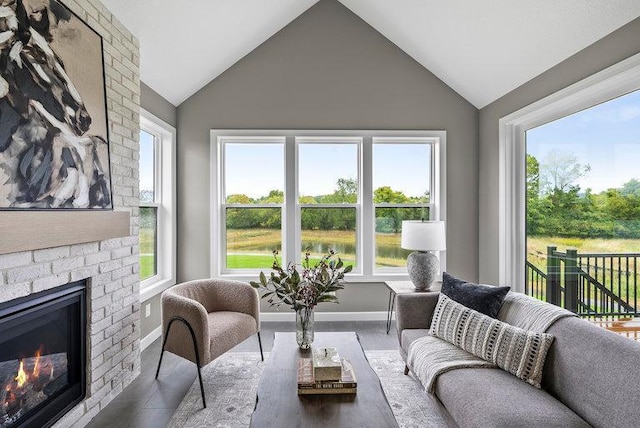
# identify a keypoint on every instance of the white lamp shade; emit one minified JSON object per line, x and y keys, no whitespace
{"x":423,"y":235}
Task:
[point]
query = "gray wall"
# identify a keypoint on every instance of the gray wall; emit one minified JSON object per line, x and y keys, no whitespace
{"x":328,"y":69}
{"x":609,"y":50}
{"x":155,"y":104}
{"x":153,"y":321}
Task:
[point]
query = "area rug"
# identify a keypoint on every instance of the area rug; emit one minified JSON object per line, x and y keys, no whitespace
{"x":231,"y":382}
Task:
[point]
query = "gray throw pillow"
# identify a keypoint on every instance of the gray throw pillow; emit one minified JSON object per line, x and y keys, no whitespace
{"x":485,"y":299}
{"x":517,"y":351}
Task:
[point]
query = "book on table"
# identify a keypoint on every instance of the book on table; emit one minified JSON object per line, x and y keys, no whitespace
{"x":307,"y":384}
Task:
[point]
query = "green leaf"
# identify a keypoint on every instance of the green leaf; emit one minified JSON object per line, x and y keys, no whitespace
{"x":348,"y":269}
{"x":263,"y":279}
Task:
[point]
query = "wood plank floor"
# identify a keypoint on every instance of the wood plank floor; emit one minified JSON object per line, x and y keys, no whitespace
{"x":148,"y":402}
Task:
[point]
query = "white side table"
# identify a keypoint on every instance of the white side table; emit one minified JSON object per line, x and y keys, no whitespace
{"x":403,"y":287}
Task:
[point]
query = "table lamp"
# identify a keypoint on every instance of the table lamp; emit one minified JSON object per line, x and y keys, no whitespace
{"x":423,"y":238}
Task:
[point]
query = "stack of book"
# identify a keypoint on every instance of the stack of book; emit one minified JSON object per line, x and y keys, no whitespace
{"x":325,"y":373}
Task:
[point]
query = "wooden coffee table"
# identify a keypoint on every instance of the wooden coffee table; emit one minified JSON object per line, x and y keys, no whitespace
{"x":279,"y":405}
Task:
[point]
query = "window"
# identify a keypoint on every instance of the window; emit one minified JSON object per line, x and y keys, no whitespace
{"x":328,"y":171}
{"x":253,"y":172}
{"x":399,"y":196}
{"x":149,"y":203}
{"x":606,"y":85}
{"x":157,"y":204}
{"x":299,"y":191}
{"x":583,"y":198}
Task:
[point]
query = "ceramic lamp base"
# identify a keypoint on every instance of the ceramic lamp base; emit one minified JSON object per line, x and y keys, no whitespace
{"x":423,"y":269}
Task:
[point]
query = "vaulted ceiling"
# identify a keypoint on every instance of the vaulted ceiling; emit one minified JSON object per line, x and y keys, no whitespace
{"x":481,"y":48}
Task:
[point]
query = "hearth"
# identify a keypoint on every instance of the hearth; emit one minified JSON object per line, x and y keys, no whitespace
{"x":42,"y":356}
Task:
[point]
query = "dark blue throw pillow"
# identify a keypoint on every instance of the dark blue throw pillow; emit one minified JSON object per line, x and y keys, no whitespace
{"x":485,"y":299}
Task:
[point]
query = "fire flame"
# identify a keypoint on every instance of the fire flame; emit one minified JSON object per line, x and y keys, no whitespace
{"x":36,"y":366}
{"x":22,"y":376}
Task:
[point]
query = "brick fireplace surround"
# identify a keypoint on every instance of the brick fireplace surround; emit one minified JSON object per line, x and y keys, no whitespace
{"x":111,"y":266}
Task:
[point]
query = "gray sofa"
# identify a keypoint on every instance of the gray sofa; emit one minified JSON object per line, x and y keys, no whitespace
{"x":591,"y":378}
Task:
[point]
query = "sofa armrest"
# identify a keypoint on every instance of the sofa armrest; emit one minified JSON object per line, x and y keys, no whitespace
{"x":415,"y":310}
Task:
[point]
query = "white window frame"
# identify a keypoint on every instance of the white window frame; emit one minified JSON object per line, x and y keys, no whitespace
{"x":219,"y":226}
{"x":365,"y":211}
{"x":165,"y":202}
{"x":612,"y":82}
{"x":301,"y":140}
{"x":434,"y":192}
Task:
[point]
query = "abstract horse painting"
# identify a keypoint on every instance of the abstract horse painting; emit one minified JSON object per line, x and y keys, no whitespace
{"x":53,"y":126}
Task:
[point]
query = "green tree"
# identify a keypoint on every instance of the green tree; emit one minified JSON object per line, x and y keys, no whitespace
{"x":533,"y":177}
{"x":239,"y":198}
{"x":631,"y":188}
{"x":389,"y":220}
{"x":274,"y":197}
{"x":560,"y":170}
{"x":387,"y":194}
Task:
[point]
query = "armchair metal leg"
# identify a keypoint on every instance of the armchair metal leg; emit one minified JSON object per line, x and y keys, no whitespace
{"x":406,"y":370}
{"x":195,"y":348}
{"x":260,"y":343}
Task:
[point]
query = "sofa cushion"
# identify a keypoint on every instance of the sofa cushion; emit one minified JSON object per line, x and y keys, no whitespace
{"x":491,"y":398}
{"x":520,"y":352}
{"x":485,"y":299}
{"x":595,"y":372}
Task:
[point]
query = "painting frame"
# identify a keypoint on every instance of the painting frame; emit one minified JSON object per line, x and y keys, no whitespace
{"x":67,"y":166}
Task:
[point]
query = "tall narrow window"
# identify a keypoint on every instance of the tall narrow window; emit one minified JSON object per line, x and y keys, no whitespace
{"x":402,"y":189}
{"x":149,"y":203}
{"x":157,"y":220}
{"x":328,"y":192}
{"x":253,"y":200}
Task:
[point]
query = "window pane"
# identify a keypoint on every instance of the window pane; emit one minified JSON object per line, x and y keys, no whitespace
{"x":254,"y":173}
{"x":401,"y":172}
{"x":328,"y":173}
{"x":325,"y":229}
{"x":389,"y":231}
{"x":148,"y":242}
{"x":252,"y":235}
{"x":583,"y":194}
{"x":147,"y":167}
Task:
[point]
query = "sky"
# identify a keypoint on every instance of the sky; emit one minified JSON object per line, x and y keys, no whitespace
{"x":255,"y":169}
{"x":146,"y":161}
{"x":606,"y":137}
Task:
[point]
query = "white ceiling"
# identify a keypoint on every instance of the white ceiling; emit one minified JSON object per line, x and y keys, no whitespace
{"x":481,"y":48}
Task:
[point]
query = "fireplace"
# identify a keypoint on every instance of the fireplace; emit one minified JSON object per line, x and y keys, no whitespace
{"x":42,"y":356}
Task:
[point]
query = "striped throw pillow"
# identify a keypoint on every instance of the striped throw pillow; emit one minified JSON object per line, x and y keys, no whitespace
{"x":517,"y":351}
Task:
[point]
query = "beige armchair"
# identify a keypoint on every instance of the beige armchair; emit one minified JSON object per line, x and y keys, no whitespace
{"x":213,"y":316}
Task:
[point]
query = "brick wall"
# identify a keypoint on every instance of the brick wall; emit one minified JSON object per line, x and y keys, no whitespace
{"x":110,"y":267}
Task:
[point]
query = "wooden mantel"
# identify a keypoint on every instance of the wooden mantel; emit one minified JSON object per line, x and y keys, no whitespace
{"x":32,"y":230}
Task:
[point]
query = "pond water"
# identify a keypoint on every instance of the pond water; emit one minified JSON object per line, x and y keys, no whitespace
{"x":387,"y":251}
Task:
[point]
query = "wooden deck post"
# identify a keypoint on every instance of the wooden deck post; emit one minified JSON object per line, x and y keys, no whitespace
{"x":553,"y":276}
{"x":571,"y":281}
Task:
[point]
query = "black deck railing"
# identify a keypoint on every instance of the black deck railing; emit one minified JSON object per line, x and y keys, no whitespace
{"x":589,"y":284}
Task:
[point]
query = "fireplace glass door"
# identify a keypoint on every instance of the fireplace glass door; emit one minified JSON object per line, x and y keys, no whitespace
{"x":42,"y":357}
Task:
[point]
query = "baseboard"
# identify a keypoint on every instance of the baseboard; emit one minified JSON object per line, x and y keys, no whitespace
{"x":326,"y":316}
{"x":289,"y":316}
{"x":150,"y":338}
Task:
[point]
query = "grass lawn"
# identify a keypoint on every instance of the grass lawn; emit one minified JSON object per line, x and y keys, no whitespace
{"x":147,"y":268}
{"x":537,"y":247}
{"x":613,"y":275}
